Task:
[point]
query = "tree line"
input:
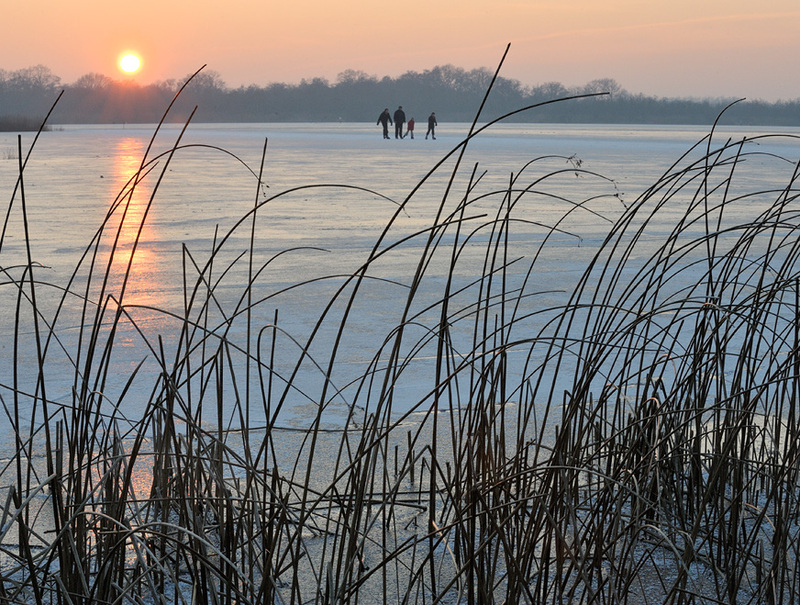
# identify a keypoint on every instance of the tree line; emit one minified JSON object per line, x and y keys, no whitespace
{"x":452,"y":92}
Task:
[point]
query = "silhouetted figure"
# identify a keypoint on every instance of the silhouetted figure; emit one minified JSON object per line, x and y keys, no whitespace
{"x":384,"y":120}
{"x":431,"y":124}
{"x":399,"y":120}
{"x":410,"y":128}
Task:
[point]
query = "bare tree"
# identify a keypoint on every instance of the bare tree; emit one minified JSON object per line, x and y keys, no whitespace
{"x":36,"y":77}
{"x":93,"y":81}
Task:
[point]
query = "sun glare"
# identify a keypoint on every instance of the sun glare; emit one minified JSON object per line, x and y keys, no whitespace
{"x":130,"y":63}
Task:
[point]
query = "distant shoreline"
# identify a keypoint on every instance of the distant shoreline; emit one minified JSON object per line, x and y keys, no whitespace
{"x":454,"y":94}
{"x":446,"y":126}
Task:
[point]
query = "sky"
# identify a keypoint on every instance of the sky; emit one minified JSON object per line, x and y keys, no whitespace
{"x":664,"y":48}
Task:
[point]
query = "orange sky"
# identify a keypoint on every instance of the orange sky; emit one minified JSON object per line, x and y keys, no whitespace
{"x":699,"y":48}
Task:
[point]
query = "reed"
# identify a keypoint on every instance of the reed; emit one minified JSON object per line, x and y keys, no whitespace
{"x":11,"y":123}
{"x":631,"y":440}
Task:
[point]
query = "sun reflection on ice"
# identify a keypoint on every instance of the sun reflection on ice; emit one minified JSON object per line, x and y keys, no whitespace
{"x":130,"y":233}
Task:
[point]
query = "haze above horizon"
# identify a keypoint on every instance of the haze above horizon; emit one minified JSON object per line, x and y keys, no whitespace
{"x":677,"y":49}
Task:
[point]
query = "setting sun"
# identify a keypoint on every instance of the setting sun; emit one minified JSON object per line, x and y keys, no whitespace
{"x":130,"y":63}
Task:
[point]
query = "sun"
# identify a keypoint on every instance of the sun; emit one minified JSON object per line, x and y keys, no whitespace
{"x":130,"y":63}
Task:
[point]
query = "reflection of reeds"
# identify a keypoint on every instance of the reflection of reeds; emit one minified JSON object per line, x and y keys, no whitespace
{"x":644,"y":450}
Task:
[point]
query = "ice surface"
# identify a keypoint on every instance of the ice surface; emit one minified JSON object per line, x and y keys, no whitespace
{"x":332,"y":188}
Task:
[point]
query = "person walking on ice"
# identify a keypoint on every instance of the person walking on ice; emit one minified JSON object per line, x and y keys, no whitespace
{"x":384,"y":120}
{"x":431,"y":123}
{"x":410,"y":128}
{"x":399,"y":120}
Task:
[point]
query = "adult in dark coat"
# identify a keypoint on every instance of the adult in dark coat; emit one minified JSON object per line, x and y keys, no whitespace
{"x":384,"y":120}
{"x":431,"y":123}
{"x":399,"y":120}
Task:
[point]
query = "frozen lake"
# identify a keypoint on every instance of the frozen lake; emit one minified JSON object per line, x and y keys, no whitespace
{"x":330,"y":192}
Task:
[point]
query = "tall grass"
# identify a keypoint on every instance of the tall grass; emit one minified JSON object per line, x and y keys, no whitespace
{"x":634,"y":441}
{"x":12,"y":123}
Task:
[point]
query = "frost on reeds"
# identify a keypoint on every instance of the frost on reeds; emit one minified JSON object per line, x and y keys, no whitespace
{"x":631,"y":439}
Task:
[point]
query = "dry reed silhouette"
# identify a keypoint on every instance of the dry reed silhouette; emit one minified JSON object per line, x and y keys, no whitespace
{"x":644,"y":451}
